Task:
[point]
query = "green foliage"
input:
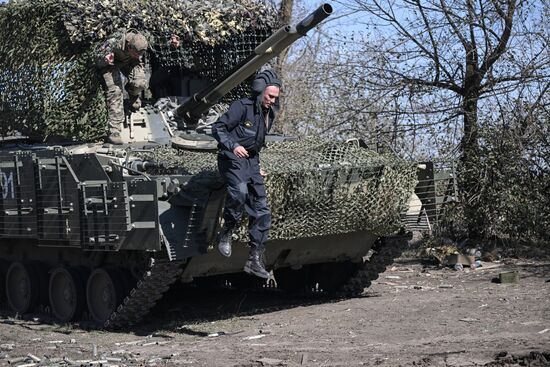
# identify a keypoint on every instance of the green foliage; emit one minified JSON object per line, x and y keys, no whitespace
{"x":510,"y":199}
{"x":513,"y":200}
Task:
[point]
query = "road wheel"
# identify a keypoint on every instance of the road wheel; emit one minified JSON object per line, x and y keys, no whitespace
{"x":67,"y":294}
{"x":104,"y":292}
{"x":22,"y":287}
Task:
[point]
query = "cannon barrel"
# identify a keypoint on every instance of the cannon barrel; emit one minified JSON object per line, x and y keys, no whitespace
{"x":192,"y":109}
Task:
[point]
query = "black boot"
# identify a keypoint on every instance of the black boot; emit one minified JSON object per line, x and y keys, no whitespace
{"x":224,"y":246}
{"x":255,"y":264}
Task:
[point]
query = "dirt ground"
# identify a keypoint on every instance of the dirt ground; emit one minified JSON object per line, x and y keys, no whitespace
{"x":414,"y":315}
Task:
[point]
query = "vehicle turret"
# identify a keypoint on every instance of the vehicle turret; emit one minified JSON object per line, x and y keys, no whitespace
{"x":160,"y":123}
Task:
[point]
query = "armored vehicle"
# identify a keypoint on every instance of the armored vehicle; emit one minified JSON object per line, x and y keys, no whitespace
{"x":99,"y":232}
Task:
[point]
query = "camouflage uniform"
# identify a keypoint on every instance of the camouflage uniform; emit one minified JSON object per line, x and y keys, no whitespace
{"x":124,"y":63}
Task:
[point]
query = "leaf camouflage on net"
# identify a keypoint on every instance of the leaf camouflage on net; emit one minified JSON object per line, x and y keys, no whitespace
{"x":48,"y":82}
{"x":326,"y":188}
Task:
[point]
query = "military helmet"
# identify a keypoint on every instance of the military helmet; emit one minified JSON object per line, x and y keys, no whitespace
{"x":264,"y":79}
{"x":137,"y":41}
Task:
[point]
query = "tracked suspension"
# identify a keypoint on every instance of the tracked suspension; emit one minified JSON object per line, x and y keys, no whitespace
{"x":384,"y":253}
{"x":155,"y":281}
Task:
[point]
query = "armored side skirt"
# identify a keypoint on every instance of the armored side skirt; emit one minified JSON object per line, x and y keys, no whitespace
{"x":286,"y":253}
{"x":69,"y":201}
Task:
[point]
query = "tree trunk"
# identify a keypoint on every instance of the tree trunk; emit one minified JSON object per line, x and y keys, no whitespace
{"x":285,"y":15}
{"x":470,"y":144}
{"x":471,"y":166}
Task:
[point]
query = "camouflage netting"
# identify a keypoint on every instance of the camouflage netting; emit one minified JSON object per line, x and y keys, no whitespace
{"x":48,"y":83}
{"x":318,"y":187}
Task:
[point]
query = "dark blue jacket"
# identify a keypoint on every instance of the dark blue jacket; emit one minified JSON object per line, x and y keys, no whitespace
{"x":243,"y":124}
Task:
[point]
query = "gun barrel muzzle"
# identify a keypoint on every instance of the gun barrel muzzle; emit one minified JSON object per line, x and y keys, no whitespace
{"x":314,"y":18}
{"x":287,"y":35}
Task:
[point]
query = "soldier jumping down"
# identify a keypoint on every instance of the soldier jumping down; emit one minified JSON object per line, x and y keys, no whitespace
{"x":240,"y":133}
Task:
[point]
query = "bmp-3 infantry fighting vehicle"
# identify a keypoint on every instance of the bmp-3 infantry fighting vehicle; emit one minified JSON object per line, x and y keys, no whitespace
{"x":100,"y":232}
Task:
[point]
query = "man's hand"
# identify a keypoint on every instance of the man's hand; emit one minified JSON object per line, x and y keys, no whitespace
{"x":263,"y":173}
{"x":110,"y":58}
{"x":240,"y":152}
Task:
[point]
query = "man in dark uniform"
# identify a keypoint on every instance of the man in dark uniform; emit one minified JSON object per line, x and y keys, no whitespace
{"x":240,"y":133}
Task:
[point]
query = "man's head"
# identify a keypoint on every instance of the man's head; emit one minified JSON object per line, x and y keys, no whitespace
{"x":268,"y":85}
{"x":271,"y":93}
{"x":137,"y":44}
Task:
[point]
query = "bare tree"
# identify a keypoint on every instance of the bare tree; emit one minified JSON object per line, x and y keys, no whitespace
{"x":450,"y":56}
{"x":320,"y":97}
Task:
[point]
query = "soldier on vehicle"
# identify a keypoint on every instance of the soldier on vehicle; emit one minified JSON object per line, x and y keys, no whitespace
{"x":175,"y":40}
{"x":240,"y":133}
{"x":121,"y":53}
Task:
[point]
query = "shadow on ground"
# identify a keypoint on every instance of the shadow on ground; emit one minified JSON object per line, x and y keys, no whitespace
{"x":184,"y":305}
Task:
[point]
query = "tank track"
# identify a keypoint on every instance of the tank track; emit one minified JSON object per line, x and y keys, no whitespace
{"x":156,"y":280}
{"x":385,"y":251}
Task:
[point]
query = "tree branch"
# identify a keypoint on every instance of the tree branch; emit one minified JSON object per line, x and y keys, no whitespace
{"x":505,"y":37}
{"x":454,"y":27}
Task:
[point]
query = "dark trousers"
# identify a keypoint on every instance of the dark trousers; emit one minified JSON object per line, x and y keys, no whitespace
{"x":245,"y":191}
